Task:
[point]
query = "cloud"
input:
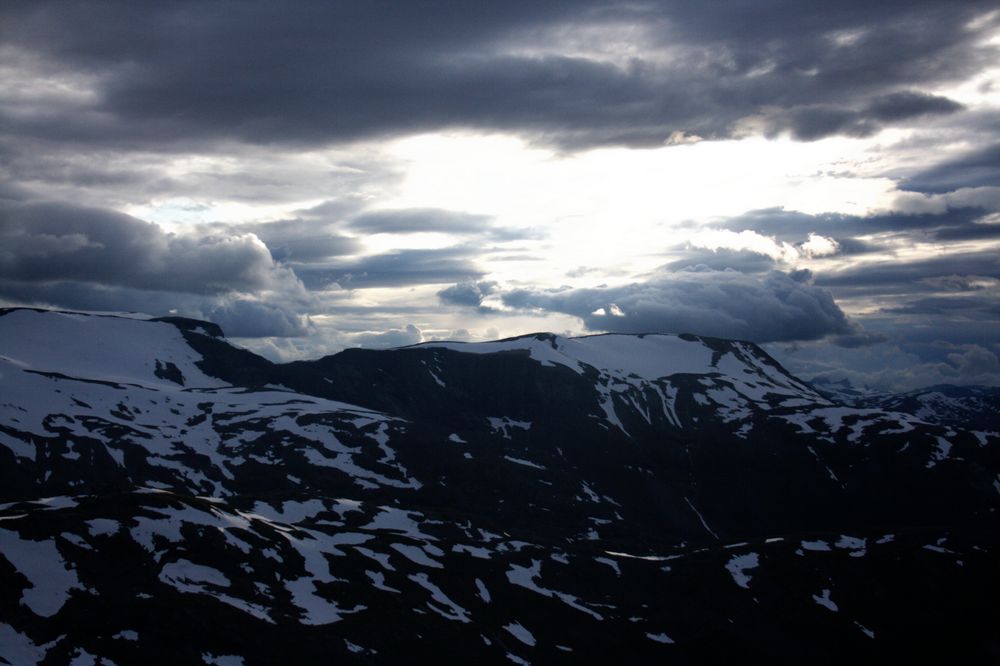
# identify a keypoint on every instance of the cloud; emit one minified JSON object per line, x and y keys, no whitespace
{"x":250,"y":111}
{"x":889,"y":367}
{"x":396,"y":269}
{"x":410,"y":335}
{"x":937,"y":329}
{"x":859,"y":338}
{"x":749,"y":243}
{"x":418,"y":220}
{"x":240,"y":316}
{"x":911,"y":276}
{"x":817,"y":121}
{"x":981,"y":199}
{"x":744,"y":261}
{"x":51,"y":242}
{"x":979,"y":167}
{"x":857,"y":234}
{"x":436,"y":220}
{"x":63,"y":255}
{"x":819,"y":246}
{"x":320,"y":73}
{"x":467,"y":293}
{"x":255,"y":319}
{"x":703,"y":301}
{"x":910,"y":104}
{"x":298,"y":241}
{"x":976,"y":363}
{"x":746,"y":240}
{"x":857,"y":246}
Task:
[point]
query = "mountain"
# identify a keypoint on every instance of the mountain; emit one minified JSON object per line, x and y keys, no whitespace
{"x":168,"y":497}
{"x":843,"y":391}
{"x":971,"y":407}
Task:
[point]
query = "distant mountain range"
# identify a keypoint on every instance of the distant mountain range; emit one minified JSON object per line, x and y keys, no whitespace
{"x":970,"y":407}
{"x":168,"y":497}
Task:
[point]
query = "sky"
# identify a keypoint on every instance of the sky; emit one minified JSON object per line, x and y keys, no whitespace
{"x":820,"y":178}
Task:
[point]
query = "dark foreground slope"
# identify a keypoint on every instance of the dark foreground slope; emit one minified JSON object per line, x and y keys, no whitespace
{"x":169,"y":498}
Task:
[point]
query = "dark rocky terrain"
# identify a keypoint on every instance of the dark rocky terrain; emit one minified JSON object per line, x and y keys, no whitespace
{"x":170,"y":498}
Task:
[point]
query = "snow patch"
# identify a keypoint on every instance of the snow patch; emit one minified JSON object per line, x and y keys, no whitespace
{"x":484,"y":593}
{"x":416,"y":555}
{"x":522,"y":461}
{"x":611,"y":563}
{"x":739,"y":565}
{"x":50,"y":579}
{"x":454,"y":612}
{"x":517,"y":630}
{"x":823,"y":599}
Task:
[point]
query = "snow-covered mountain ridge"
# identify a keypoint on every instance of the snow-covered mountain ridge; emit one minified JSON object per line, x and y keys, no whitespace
{"x":540,"y":499}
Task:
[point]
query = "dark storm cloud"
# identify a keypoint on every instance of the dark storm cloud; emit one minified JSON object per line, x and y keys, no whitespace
{"x":911,"y":275}
{"x":910,"y":104}
{"x":809,"y":123}
{"x":395,"y":269}
{"x":52,"y":242}
{"x":978,"y":168}
{"x":812,"y":122}
{"x":969,"y":232}
{"x":319,"y":72}
{"x":728,"y":304}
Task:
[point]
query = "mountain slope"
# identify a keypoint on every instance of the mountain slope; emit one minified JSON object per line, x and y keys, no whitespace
{"x":535,"y":499}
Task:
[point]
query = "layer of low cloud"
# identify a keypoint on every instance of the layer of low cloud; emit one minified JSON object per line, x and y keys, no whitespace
{"x":396,"y":337}
{"x":897,"y":366}
{"x":703,"y":301}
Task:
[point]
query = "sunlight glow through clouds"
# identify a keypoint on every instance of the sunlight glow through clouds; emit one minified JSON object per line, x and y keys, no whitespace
{"x":178,"y":215}
{"x":623,"y":207}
